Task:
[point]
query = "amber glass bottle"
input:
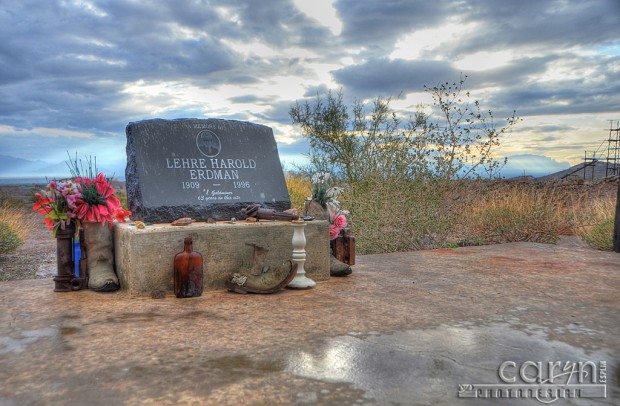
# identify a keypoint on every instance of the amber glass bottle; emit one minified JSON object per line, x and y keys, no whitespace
{"x":188,"y":272}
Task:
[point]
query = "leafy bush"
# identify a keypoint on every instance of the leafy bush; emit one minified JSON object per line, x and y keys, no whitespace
{"x":9,"y":239}
{"x":601,"y":236}
{"x":390,"y":215}
{"x":15,"y":225}
{"x":596,"y":223}
{"x":457,"y":140}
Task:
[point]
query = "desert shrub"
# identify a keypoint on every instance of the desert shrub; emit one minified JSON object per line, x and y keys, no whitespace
{"x":9,"y":239}
{"x":16,"y":224}
{"x":601,"y":236}
{"x":397,"y":214}
{"x":508,"y":212}
{"x":299,"y":189}
{"x":596,"y":223}
{"x":457,"y":140}
{"x":506,"y":224}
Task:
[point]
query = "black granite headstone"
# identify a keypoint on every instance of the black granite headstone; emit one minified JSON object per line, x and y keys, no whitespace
{"x":201,"y":169}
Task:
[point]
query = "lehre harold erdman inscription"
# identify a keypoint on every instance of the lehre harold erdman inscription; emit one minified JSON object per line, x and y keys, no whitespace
{"x":202,"y":169}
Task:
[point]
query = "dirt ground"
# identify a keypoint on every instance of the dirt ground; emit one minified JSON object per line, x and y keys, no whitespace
{"x":36,"y":258}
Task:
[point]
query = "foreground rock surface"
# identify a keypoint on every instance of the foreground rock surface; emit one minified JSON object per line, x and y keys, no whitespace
{"x":404,"y":328}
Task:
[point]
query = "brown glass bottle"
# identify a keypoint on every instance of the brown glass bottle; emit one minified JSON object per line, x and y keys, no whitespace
{"x":188,"y":272}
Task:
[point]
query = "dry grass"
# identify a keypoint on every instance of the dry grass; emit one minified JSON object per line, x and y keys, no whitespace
{"x":299,"y":189}
{"x":404,"y":214}
{"x":398,"y":215}
{"x":15,"y":226}
{"x":595,"y":224}
{"x":505,"y":212}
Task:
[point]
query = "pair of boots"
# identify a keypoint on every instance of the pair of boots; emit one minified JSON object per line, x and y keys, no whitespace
{"x":100,"y":257}
{"x":338,"y":268}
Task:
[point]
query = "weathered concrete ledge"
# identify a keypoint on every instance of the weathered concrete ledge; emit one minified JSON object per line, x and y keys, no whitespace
{"x":144,"y":257}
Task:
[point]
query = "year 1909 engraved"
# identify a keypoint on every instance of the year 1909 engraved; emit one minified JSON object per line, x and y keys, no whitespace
{"x":191,"y":185}
{"x":241,"y":185}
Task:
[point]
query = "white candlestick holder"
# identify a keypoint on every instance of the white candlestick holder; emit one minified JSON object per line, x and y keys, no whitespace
{"x":301,"y":281}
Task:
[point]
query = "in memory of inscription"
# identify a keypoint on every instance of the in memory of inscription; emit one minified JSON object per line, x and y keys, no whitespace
{"x":201,"y":169}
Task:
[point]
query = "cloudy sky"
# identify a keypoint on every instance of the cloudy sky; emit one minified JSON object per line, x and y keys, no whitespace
{"x":73,"y":73}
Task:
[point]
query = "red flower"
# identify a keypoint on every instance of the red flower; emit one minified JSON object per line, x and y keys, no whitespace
{"x":97,"y":203}
{"x":333,"y":232}
{"x":340,"y":221}
{"x":49,"y":222}
{"x":43,"y":204}
{"x":121,"y":214}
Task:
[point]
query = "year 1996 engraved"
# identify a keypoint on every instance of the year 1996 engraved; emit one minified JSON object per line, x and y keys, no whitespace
{"x":191,"y":185}
{"x":241,"y":185}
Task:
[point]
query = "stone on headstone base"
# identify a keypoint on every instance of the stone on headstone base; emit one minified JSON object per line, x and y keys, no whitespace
{"x":144,"y":257}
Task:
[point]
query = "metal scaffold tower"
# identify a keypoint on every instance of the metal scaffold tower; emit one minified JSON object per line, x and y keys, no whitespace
{"x":613,"y":149}
{"x":589,"y":162}
{"x":607,"y":154}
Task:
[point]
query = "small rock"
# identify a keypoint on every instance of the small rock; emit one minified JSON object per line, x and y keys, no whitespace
{"x":183,"y":221}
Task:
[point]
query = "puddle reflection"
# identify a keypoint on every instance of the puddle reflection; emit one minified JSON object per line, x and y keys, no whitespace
{"x":428,"y":365}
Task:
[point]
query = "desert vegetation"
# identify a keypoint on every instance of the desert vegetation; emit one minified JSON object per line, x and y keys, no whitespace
{"x":15,"y":223}
{"x":389,"y":217}
{"x":431,"y":180}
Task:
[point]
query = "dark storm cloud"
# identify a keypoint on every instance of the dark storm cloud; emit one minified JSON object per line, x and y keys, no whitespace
{"x":540,"y":23}
{"x":549,"y":26}
{"x":570,"y":97}
{"x":248,"y":98}
{"x":515,"y":73}
{"x":278,"y":112}
{"x":66,"y":64}
{"x":313,"y":91}
{"x":387,"y":77}
{"x":379,"y":23}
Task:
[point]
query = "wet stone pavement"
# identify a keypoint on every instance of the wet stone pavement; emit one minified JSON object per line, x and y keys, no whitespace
{"x":407,"y":328}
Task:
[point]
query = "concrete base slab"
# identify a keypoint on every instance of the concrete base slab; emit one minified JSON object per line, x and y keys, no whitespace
{"x":144,"y":257}
{"x":406,"y":328}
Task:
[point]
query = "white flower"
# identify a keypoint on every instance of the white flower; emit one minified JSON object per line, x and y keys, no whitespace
{"x":320,"y":177}
{"x":334,"y":192}
{"x":332,"y":208}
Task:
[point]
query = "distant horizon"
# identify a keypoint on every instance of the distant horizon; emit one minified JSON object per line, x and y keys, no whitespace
{"x":506,"y":173}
